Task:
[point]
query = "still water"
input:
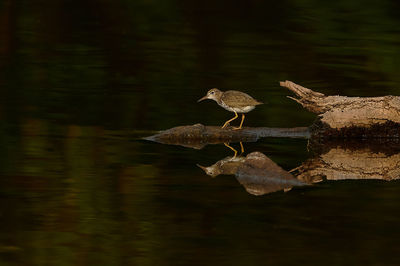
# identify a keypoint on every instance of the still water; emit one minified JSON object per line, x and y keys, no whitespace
{"x":83,"y":82}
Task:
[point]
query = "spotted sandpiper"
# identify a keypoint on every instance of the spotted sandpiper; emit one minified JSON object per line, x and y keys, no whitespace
{"x":233,"y":101}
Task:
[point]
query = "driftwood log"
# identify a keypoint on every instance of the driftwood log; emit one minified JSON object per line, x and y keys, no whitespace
{"x":338,"y":117}
{"x":197,"y":136}
{"x":372,"y":122}
{"x":343,"y":116}
{"x":376,"y":119}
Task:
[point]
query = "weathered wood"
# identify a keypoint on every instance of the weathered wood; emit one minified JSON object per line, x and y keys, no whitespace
{"x":197,"y":136}
{"x":339,"y":117}
{"x":340,"y":111}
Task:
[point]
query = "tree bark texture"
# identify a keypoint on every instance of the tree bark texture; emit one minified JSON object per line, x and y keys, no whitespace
{"x":340,"y":111}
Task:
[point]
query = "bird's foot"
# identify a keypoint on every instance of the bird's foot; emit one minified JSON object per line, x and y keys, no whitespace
{"x":237,"y":128}
{"x":225,"y":125}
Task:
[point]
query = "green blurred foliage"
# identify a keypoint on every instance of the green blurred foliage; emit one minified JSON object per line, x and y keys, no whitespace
{"x":138,"y":64}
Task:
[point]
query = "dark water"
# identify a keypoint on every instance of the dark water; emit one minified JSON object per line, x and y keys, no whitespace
{"x":82,"y":82}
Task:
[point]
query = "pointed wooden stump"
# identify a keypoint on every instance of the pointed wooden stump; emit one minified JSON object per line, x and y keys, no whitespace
{"x":341,"y":116}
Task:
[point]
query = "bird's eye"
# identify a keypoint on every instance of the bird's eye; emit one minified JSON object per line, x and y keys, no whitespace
{"x":211,"y":92}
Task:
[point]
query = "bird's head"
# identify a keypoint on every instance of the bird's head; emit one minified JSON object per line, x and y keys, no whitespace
{"x":212,"y":170}
{"x":213,"y":94}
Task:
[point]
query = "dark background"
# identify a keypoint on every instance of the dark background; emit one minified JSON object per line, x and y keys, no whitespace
{"x":82,"y":81}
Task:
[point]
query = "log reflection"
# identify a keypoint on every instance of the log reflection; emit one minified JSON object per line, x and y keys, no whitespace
{"x":260,"y":175}
{"x":341,"y":163}
{"x":356,"y":159}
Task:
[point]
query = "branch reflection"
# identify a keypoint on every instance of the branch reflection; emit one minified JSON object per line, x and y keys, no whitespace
{"x":338,"y":162}
{"x":377,"y":159}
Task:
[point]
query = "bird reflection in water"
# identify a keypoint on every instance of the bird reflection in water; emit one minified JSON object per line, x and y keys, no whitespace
{"x":256,"y":172}
{"x":234,"y":150}
{"x":226,"y":166}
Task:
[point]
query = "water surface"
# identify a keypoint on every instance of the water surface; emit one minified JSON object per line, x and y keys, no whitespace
{"x":83,"y":83}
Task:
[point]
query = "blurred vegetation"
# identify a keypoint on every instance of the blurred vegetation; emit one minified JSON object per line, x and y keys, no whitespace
{"x":76,"y":78}
{"x":138,"y":64}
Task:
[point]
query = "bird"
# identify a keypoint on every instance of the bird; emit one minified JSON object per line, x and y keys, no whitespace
{"x":233,"y":101}
{"x":226,"y":166}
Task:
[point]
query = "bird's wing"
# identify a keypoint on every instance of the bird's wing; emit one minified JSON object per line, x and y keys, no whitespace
{"x":238,"y":98}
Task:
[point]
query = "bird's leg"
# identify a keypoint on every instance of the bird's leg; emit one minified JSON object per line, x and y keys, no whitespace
{"x":241,"y":123}
{"x":241,"y":147}
{"x":227,"y":122}
{"x":235,"y":151}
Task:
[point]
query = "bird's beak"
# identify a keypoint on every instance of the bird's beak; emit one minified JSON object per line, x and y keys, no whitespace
{"x":202,"y":99}
{"x":202,"y":167}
